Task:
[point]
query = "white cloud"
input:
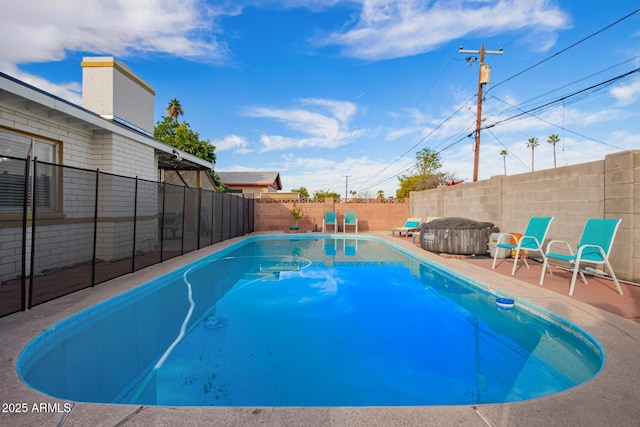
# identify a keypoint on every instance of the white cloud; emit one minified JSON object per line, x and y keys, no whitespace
{"x":235,"y":143}
{"x":72,"y":91}
{"x":54,"y":29}
{"x":627,"y":94}
{"x":115,"y":27}
{"x":329,"y":174}
{"x":386,"y":30}
{"x":322,"y":123}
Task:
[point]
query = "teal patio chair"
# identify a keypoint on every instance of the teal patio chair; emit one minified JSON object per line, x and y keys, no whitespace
{"x":350,"y":247}
{"x":349,"y":219}
{"x":329,"y":219}
{"x":330,"y":247}
{"x":531,"y":240}
{"x":594,"y":248}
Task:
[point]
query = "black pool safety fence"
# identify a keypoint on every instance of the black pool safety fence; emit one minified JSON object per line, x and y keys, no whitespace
{"x":63,"y":228}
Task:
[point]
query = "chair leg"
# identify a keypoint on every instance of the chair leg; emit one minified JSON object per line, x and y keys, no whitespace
{"x":495,"y":257}
{"x":613,"y":276}
{"x":515,"y":261}
{"x":545,"y":266}
{"x":584,"y":279}
{"x":576,"y":269}
{"x":546,"y":262}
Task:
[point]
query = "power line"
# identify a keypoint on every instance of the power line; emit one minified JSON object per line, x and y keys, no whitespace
{"x":577,"y":81}
{"x":509,"y":151}
{"x":562,"y":99}
{"x":530,"y":112}
{"x":559,"y":126}
{"x":595,"y":87}
{"x":566,"y":49}
{"x":417,"y":143}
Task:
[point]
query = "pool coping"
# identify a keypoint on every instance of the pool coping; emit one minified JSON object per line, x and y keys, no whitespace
{"x":610,"y":398}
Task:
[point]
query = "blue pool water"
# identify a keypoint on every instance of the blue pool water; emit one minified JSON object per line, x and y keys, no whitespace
{"x":312,"y":321}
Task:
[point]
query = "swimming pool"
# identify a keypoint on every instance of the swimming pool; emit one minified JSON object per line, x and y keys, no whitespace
{"x":311,"y":321}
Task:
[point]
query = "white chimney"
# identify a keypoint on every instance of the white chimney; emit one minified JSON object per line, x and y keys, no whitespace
{"x":110,"y":88}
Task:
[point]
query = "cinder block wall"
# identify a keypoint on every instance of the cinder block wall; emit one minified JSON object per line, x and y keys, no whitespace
{"x":571,"y":194}
{"x":276,"y":216}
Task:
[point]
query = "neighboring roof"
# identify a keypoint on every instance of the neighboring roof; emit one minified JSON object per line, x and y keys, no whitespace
{"x":251,"y":179}
{"x":39,"y":102}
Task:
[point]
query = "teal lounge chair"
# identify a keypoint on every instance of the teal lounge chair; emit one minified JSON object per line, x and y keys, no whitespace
{"x":329,"y":219}
{"x":410,"y":225}
{"x":349,"y":219}
{"x":531,"y":240}
{"x":594,"y":248}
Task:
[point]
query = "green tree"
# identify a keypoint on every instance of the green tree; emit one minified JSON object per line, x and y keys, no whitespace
{"x":504,"y":153}
{"x":380,"y":194}
{"x":323,"y":194}
{"x":220,"y":186}
{"x":554,"y":139}
{"x":181,"y":136}
{"x":303,"y":192}
{"x":428,"y":164}
{"x":532,"y":143}
{"x":174,"y":109}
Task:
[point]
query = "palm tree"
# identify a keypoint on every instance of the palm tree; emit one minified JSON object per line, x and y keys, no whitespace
{"x":554,"y":139}
{"x":174,"y":109}
{"x":504,"y":153}
{"x":532,"y":143}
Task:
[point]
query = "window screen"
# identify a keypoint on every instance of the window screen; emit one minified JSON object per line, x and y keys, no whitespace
{"x":14,"y":148}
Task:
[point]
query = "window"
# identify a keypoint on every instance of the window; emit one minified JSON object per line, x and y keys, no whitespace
{"x":14,"y":148}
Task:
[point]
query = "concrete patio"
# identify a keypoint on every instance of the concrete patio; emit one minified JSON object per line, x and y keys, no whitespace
{"x":608,"y":399}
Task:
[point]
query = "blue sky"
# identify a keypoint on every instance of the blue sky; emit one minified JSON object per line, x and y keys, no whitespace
{"x":323,"y":89}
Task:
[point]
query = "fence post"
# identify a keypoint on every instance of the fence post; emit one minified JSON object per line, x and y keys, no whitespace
{"x":199,"y":214}
{"x":34,"y":201}
{"x":95,"y":231}
{"x":222,"y":218}
{"x":184,"y":204}
{"x":135,"y":223}
{"x":164,"y":200}
{"x":213,"y":213}
{"x":23,"y":293}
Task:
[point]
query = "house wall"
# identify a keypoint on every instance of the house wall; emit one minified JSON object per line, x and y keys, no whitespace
{"x":252,"y":189}
{"x":604,"y":189}
{"x":276,"y":215}
{"x":120,"y":155}
{"x":85,"y":149}
{"x":66,"y":238}
{"x":77,"y":149}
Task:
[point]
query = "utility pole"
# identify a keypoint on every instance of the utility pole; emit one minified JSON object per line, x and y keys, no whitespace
{"x":346,"y":187}
{"x":484,"y":76}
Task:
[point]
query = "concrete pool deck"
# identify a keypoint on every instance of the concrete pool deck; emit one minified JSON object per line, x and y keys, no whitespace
{"x":609,"y":399}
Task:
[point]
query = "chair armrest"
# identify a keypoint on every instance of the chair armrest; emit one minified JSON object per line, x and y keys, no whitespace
{"x":501,"y":235}
{"x":552,"y":242}
{"x":583,"y":247}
